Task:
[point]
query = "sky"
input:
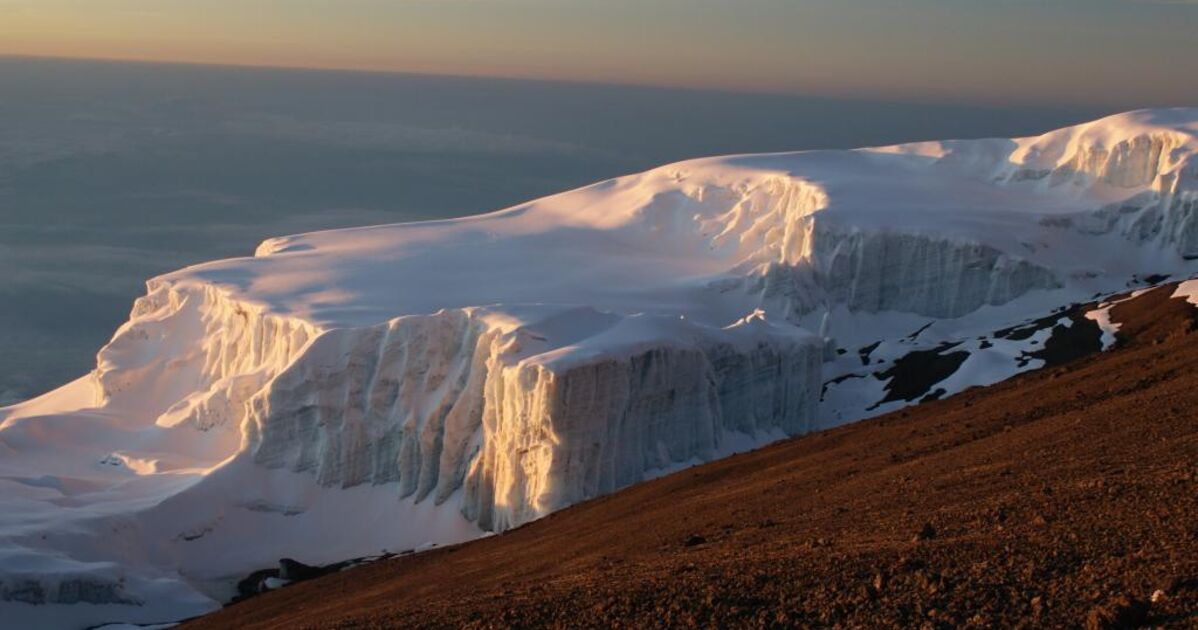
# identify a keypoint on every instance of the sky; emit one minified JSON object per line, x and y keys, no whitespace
{"x":1070,"y":52}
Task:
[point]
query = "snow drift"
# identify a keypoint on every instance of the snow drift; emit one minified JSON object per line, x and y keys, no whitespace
{"x":345,"y":392}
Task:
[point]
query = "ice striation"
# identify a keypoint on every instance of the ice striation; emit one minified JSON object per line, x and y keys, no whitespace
{"x":194,"y":356}
{"x":1156,"y":166}
{"x":397,"y":386}
{"x":450,"y":401}
{"x":880,"y":271}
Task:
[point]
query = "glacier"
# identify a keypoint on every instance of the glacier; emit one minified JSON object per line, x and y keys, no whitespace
{"x":344,"y":393}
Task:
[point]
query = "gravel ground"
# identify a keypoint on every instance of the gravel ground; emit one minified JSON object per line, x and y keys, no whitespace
{"x":1065,"y":497}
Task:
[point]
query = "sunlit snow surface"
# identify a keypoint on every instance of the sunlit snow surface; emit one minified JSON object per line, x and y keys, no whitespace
{"x":1189,"y":291}
{"x":346,"y":392}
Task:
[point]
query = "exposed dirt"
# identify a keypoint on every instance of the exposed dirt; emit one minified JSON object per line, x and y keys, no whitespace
{"x":1064,"y":497}
{"x":915,"y":373}
{"x":1068,"y":343}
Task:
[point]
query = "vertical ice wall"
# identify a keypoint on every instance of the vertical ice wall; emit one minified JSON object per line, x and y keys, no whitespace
{"x":557,"y":434}
{"x":885,"y":270}
{"x":192,"y":356}
{"x":446,"y":403}
{"x":1157,"y":169}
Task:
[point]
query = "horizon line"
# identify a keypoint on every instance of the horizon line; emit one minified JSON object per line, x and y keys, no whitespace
{"x":943,"y":100}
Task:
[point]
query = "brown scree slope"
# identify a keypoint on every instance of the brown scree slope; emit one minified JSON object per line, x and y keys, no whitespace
{"x":1064,"y":497}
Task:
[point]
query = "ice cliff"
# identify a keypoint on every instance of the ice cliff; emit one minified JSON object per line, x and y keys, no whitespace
{"x":428,"y":381}
{"x":454,"y":401}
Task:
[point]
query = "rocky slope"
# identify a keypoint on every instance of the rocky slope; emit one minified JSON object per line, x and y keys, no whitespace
{"x":1064,"y":497}
{"x":447,"y":379}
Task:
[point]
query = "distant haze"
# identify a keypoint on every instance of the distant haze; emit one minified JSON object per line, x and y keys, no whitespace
{"x":1123,"y":53}
{"x":111,"y":173}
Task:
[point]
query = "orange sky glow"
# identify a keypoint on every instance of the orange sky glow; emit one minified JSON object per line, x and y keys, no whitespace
{"x":1067,"y":51}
